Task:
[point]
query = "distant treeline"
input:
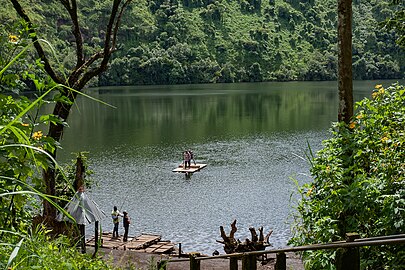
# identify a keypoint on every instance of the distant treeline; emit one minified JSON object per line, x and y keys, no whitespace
{"x":202,"y":41}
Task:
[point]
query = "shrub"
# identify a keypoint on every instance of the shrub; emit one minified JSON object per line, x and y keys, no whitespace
{"x":36,"y":250}
{"x":358,"y":184}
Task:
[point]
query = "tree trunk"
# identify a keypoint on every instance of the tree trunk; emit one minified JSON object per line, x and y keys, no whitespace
{"x":231,"y":245}
{"x":80,"y":173}
{"x":62,"y":111}
{"x":49,"y":179}
{"x":345,"y":76}
{"x":85,"y":69}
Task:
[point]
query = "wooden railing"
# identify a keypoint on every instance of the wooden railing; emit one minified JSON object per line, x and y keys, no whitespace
{"x":347,"y":255}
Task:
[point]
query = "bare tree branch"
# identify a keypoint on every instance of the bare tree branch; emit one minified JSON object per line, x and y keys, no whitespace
{"x":65,"y":3}
{"x":117,"y":24}
{"x":72,"y":10}
{"x":79,"y":76}
{"x":109,"y":44}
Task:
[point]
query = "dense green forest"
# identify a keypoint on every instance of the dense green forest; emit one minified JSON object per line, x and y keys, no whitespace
{"x":202,"y":41}
{"x":358,"y":177}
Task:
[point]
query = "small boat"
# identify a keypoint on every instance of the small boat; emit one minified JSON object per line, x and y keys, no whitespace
{"x":193,"y":168}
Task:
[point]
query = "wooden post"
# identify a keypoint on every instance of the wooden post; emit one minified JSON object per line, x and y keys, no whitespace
{"x":281,"y":263}
{"x":194,"y":263}
{"x":96,"y":240}
{"x":249,"y":262}
{"x":348,"y":258}
{"x":82,"y":237}
{"x":179,"y":250}
{"x":233,"y":263}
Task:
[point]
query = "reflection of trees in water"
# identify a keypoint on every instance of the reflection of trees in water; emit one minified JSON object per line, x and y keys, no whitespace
{"x":160,"y":115}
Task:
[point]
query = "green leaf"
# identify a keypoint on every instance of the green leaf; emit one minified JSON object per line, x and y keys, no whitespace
{"x":50,"y":118}
{"x":14,"y":253}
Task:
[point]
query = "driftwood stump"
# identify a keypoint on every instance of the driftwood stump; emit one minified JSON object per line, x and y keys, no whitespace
{"x":232,"y":245}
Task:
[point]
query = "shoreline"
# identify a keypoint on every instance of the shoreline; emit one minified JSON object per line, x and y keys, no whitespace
{"x":142,"y":260}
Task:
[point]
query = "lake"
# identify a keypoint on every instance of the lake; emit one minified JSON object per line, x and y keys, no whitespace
{"x":254,"y":137}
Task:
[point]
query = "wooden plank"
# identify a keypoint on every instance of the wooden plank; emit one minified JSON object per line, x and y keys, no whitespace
{"x":160,"y":247}
{"x":150,"y":250}
{"x":106,"y":241}
{"x":149,"y":243}
{"x":164,"y":249}
{"x":143,"y":241}
{"x":197,"y":165}
{"x":191,"y":169}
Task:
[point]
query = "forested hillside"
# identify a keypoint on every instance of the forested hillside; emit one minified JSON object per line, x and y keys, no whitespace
{"x":200,"y":41}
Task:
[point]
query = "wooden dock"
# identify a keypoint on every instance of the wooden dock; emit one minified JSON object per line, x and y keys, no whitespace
{"x":193,"y":168}
{"x":149,"y":243}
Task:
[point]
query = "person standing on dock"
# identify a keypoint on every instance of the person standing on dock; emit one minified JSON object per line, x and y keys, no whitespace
{"x":126,"y":221}
{"x":115,"y":214}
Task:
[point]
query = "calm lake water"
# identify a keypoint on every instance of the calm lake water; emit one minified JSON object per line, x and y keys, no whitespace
{"x":254,"y":138}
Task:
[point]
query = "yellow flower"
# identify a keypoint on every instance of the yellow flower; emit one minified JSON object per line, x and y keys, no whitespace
{"x":12,"y":38}
{"x":384,"y":139}
{"x":359,"y":116}
{"x":352,"y":125}
{"x":378,"y":86}
{"x":381,"y":91}
{"x":309,"y":192}
{"x":37,"y":135}
{"x":374,"y":95}
{"x":24,"y":124}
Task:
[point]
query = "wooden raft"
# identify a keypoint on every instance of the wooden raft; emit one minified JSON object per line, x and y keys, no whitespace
{"x":193,"y":168}
{"x":149,"y":243}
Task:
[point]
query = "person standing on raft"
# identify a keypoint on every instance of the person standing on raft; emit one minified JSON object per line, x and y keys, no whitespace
{"x":191,"y":154}
{"x":186,"y":159}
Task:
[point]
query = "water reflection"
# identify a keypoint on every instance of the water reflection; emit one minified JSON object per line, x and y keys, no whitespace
{"x":150,"y":115}
{"x":252,"y":136}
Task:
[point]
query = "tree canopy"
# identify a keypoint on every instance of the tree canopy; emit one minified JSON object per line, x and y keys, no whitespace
{"x":172,"y":41}
{"x":72,"y":77}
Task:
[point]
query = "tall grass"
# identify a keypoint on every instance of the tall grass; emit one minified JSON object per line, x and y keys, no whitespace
{"x":21,"y":246}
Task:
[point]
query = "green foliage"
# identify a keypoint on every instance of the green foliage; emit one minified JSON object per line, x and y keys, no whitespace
{"x":288,"y":40}
{"x":359,"y":183}
{"x":20,"y":164}
{"x":23,"y":154}
{"x":14,"y":42}
{"x":194,"y":41}
{"x":396,"y":22}
{"x":21,"y":160}
{"x":36,"y":250}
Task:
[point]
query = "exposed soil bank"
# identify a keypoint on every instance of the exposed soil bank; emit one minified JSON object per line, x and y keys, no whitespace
{"x":145,"y":261}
